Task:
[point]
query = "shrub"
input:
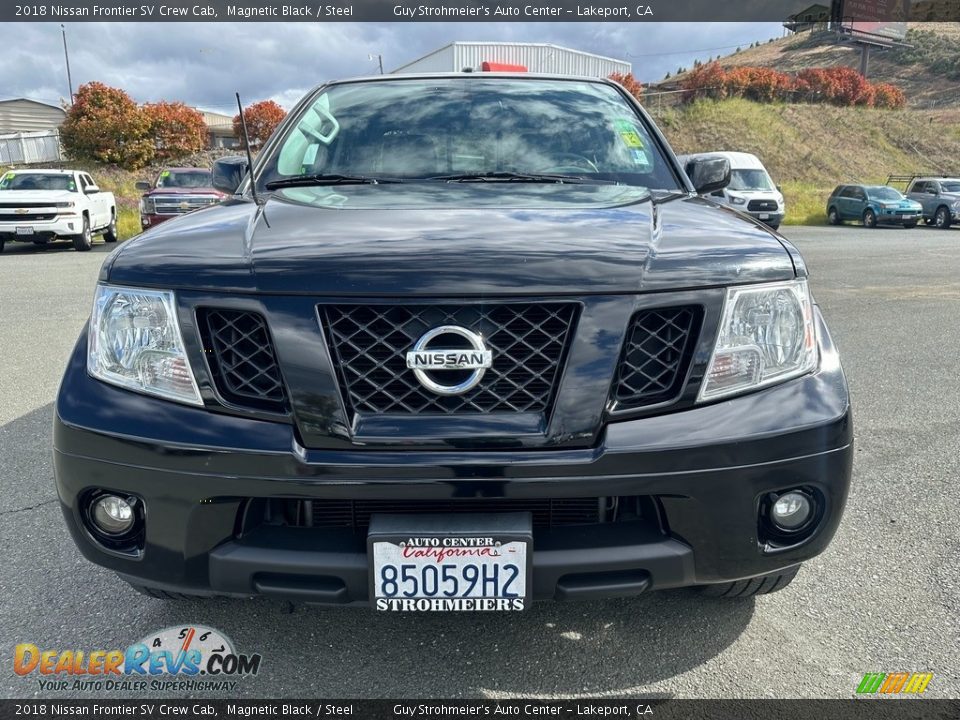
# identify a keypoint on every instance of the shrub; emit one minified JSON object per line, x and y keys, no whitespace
{"x":886,"y":95}
{"x":759,"y":83}
{"x":705,"y":81}
{"x":105,"y":125}
{"x":176,"y":130}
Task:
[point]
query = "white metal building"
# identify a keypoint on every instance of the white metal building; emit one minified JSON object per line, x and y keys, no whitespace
{"x":535,"y":57}
{"x":219,"y":129}
{"x":20,"y":115}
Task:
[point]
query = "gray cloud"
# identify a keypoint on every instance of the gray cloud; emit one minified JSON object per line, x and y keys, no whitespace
{"x":203,"y":64}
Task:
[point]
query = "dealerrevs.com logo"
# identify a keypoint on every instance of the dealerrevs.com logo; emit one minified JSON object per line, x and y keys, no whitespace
{"x":186,"y":658}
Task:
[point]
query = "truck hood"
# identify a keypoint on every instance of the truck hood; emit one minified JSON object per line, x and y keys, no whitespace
{"x":17,"y":197}
{"x":458,"y":240}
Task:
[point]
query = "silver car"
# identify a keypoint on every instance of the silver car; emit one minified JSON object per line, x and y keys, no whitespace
{"x":940,"y":198}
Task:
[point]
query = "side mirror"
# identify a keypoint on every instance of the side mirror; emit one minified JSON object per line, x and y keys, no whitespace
{"x":91,"y":190}
{"x":709,"y":174}
{"x":142,"y":186}
{"x":228,"y":173}
{"x":779,"y":189}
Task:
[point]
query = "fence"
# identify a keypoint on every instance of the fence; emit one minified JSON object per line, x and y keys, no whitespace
{"x":32,"y":147}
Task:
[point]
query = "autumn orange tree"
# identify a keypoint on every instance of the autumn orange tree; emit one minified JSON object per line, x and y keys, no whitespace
{"x":262,"y":118}
{"x":175,"y":129}
{"x":105,"y":125}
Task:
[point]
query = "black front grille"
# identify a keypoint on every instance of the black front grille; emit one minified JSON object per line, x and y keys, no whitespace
{"x":655,"y":357}
{"x":762,"y":205}
{"x":241,"y":358}
{"x":546,"y":512}
{"x":17,"y":217}
{"x":370,"y":343}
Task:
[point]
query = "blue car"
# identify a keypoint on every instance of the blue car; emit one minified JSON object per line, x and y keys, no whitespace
{"x":872,"y":205}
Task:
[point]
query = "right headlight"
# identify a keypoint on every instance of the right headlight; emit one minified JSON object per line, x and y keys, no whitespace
{"x":135,"y":342}
{"x":147,"y":206}
{"x":767,"y":335}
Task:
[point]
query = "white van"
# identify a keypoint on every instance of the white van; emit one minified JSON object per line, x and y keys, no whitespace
{"x":750,"y":190}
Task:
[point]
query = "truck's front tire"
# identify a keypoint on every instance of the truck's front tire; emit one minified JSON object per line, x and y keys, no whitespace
{"x":83,"y":241}
{"x":762,"y":585}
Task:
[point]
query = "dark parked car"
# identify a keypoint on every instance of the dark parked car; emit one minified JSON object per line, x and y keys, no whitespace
{"x":940,"y":199}
{"x":176,"y":191}
{"x":436,"y":355}
{"x":872,"y":205}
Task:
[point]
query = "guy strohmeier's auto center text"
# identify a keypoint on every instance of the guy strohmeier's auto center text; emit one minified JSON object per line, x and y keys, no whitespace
{"x":308,"y":11}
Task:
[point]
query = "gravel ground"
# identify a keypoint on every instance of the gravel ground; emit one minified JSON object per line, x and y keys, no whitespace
{"x":884,"y":597}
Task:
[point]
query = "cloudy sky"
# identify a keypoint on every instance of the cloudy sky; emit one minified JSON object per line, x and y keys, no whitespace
{"x":203,"y":64}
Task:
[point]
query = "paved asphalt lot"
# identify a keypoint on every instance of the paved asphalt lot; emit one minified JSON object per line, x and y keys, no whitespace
{"x":884,"y":597}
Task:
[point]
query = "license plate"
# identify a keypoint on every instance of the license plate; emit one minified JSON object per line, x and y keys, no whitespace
{"x":21,"y":230}
{"x":479,"y":564}
{"x":764,"y":216}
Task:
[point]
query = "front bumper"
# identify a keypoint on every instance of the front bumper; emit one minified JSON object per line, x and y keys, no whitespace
{"x":152,"y":219}
{"x":893,"y":217}
{"x":705,"y":469}
{"x":768,"y":217}
{"x":60,"y":227}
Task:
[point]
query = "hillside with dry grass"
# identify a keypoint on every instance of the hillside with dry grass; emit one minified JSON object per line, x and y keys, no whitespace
{"x":809,"y":149}
{"x":928,"y":71}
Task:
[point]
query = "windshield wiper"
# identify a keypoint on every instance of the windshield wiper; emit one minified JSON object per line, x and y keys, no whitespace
{"x":330,"y":179}
{"x":509,"y":176}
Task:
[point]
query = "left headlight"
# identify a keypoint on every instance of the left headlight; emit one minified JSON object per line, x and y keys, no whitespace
{"x":135,"y":342}
{"x":767,"y":335}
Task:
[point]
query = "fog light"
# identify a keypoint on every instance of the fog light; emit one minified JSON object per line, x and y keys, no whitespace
{"x":791,"y":511}
{"x":113,"y":515}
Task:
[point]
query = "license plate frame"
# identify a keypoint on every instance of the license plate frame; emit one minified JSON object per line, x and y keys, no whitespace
{"x":24,"y":230}
{"x":501,"y":533}
{"x":764,"y":216}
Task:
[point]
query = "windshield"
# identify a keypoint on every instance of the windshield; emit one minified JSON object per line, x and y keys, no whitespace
{"x":750,"y":180}
{"x":429,"y":130}
{"x":884,"y":193}
{"x":38,"y":181}
{"x":950,"y":187}
{"x":184,"y":179}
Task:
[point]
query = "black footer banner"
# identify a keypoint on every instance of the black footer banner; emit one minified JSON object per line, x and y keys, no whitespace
{"x":662,"y":709}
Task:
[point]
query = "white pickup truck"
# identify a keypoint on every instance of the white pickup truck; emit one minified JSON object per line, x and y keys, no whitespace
{"x":42,"y":206}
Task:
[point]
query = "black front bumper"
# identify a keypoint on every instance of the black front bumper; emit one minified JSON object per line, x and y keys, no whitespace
{"x":705,"y":470}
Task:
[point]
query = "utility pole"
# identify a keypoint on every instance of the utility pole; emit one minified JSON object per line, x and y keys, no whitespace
{"x":379,"y":60}
{"x":66,"y":56}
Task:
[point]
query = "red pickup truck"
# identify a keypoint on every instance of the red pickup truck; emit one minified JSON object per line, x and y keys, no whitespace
{"x":176,"y":191}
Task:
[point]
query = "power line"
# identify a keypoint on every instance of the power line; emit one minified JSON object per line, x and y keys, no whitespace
{"x":686,"y":52}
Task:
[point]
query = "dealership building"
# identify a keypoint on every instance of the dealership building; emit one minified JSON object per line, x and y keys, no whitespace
{"x":533,"y":57}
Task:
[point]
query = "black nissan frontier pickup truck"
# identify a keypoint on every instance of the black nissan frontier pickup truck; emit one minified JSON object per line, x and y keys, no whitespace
{"x":456,"y":342}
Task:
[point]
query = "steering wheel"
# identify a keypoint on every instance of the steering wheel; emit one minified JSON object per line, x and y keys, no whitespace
{"x":579,"y":164}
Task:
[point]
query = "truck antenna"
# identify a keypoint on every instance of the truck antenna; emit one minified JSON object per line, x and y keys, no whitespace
{"x":246,"y":143}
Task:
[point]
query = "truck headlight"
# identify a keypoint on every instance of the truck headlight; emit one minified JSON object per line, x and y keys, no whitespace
{"x":135,"y":342}
{"x":63,"y":205}
{"x":147,"y":206}
{"x":767,"y":335}
{"x":737,"y":200}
